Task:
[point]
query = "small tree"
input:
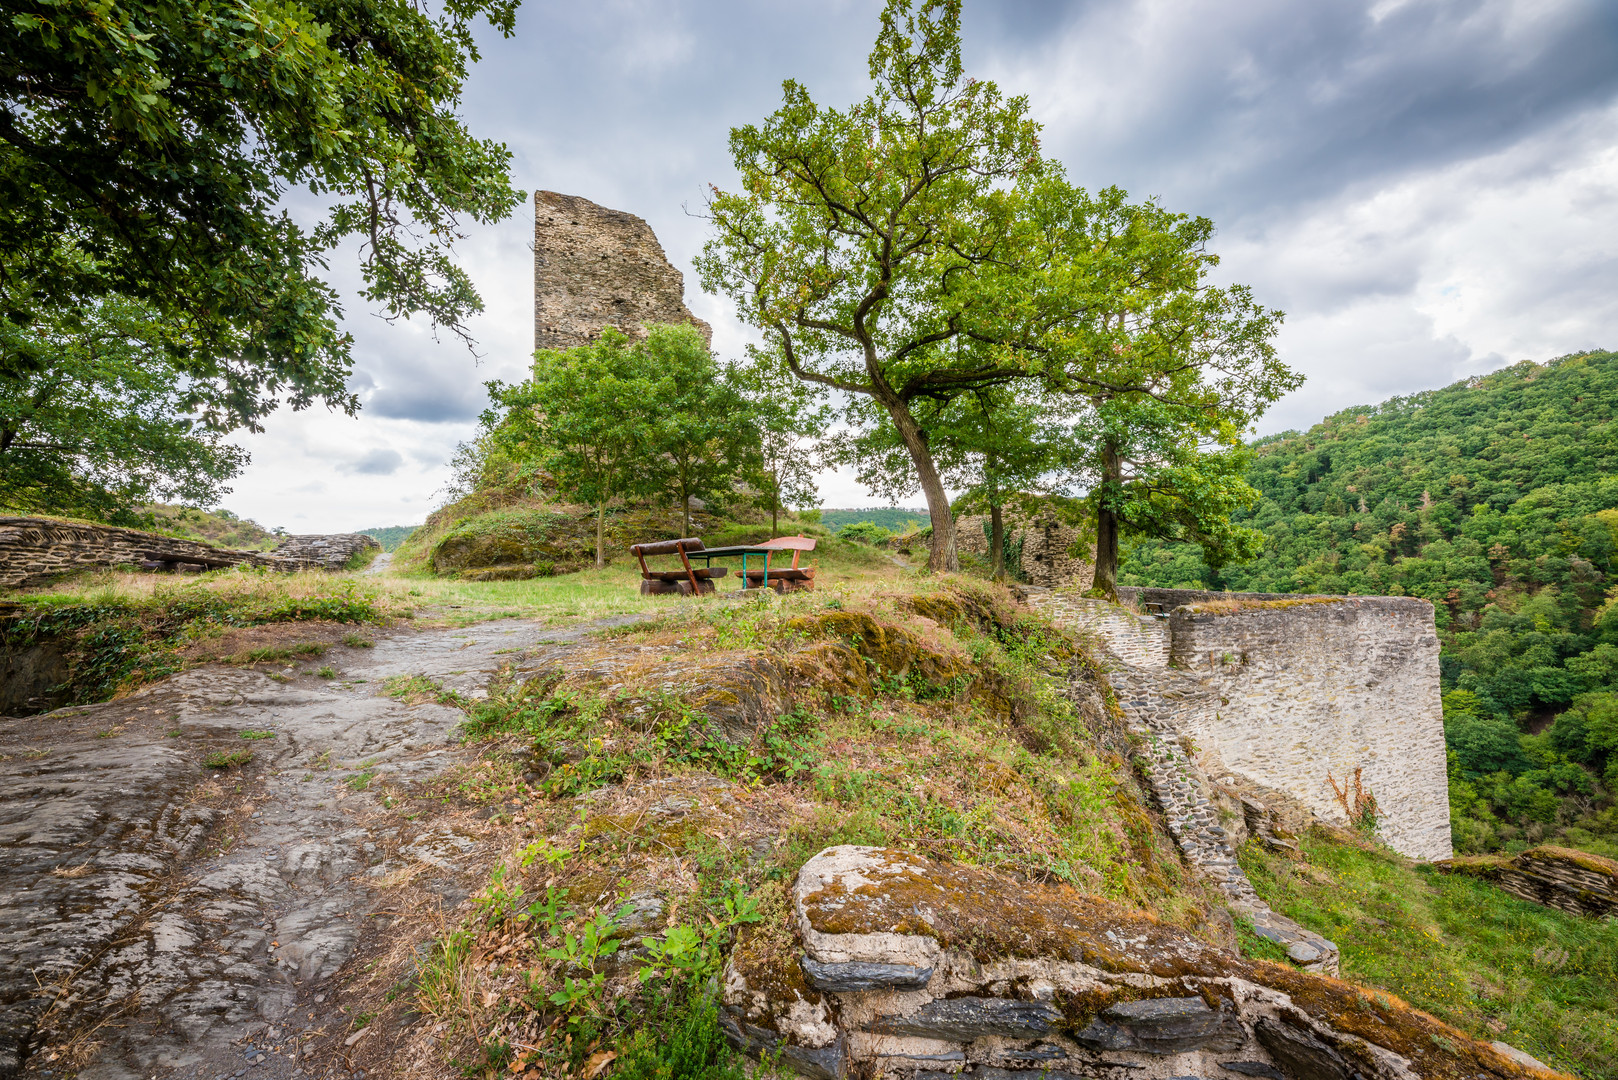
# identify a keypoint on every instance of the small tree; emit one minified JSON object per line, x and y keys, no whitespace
{"x":705,"y":431}
{"x":588,"y":419}
{"x":1152,"y":472}
{"x":995,"y":445}
{"x":791,"y":418}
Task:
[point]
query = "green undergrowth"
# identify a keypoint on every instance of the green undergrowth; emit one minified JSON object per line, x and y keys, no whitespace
{"x":1493,"y":965}
{"x":113,"y":640}
{"x":937,"y":720}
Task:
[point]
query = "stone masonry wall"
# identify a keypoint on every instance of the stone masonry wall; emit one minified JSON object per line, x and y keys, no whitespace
{"x":1322,"y":686}
{"x":35,"y":551}
{"x":1309,"y":689}
{"x":595,"y":267}
{"x":1046,"y":560}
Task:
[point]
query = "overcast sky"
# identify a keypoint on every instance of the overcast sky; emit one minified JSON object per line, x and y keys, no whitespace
{"x":1428,"y":188}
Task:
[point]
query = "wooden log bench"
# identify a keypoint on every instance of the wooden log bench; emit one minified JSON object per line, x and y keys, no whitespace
{"x":785,"y":579}
{"x":687,"y":581}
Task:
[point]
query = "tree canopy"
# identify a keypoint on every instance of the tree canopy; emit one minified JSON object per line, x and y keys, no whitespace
{"x":917,"y":247}
{"x":146,"y":147}
{"x":101,"y":431}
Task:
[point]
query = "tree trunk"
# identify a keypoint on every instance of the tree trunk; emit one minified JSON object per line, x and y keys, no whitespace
{"x":997,"y":542}
{"x":943,"y":555}
{"x":775,"y":504}
{"x":685,"y":506}
{"x":1105,"y":584}
{"x":601,"y":535}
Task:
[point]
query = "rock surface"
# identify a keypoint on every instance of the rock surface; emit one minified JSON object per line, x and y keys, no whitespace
{"x":595,"y":267}
{"x":177,"y":910}
{"x":1031,"y":980}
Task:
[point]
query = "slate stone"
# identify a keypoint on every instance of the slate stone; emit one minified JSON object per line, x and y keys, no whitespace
{"x":989,"y":1072}
{"x":1173,"y":1025}
{"x":1304,"y":953}
{"x":817,"y":1063}
{"x":965,"y":1018}
{"x":1254,"y":1068}
{"x":841,"y":978}
{"x":1301,"y":1055}
{"x":1100,"y":1035}
{"x":1037,"y":1052}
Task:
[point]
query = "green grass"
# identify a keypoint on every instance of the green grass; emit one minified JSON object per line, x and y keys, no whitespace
{"x":251,"y":734}
{"x":1493,"y":965}
{"x":227,"y":759}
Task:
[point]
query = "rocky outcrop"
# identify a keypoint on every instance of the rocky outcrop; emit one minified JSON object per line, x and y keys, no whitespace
{"x":895,"y":965}
{"x":595,"y":267}
{"x":1558,"y":877}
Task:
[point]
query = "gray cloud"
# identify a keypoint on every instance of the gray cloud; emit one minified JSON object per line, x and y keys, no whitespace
{"x":1426,"y":186}
{"x":374,"y":463}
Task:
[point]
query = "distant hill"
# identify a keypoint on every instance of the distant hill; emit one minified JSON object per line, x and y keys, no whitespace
{"x":390,"y":536}
{"x":891,"y":518}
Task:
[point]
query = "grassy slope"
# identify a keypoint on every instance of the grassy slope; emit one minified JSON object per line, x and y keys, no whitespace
{"x":1493,"y":965}
{"x":616,"y":787}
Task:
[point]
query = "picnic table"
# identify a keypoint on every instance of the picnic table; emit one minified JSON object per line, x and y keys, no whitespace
{"x":692,"y":580}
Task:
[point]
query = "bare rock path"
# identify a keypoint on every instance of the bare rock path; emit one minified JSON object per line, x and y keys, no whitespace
{"x":162,"y":919}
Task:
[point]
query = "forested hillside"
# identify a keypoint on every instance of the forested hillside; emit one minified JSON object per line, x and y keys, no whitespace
{"x":1497,"y":500}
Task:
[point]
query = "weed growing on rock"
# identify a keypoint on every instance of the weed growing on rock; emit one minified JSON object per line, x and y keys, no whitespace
{"x":227,"y":759}
{"x":251,"y":734}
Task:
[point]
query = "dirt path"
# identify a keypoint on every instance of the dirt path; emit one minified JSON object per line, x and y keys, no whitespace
{"x":162,"y":919}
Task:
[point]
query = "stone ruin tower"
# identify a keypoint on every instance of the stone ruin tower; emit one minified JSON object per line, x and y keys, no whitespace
{"x":595,"y":267}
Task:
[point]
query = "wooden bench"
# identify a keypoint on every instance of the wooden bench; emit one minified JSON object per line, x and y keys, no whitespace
{"x":787,"y":578}
{"x":687,"y":581}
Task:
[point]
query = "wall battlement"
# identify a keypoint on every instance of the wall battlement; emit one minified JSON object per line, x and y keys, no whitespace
{"x":1310,"y":689}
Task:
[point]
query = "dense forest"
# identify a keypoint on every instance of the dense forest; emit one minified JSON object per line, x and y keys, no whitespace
{"x":1496,"y":499}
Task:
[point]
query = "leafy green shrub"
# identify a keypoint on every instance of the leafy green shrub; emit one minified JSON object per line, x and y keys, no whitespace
{"x":864,"y":532}
{"x":686,"y":1044}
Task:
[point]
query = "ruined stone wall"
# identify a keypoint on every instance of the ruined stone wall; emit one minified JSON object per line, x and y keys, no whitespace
{"x":595,"y":267}
{"x":1046,"y":560}
{"x":324,"y":552}
{"x":1313,"y":687}
{"x":36,"y":551}
{"x":1310,"y":688}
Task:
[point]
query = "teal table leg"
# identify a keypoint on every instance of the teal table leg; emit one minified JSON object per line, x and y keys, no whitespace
{"x":744,"y":571}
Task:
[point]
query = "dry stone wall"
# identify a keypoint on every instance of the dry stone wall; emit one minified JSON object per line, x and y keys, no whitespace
{"x":36,"y":551}
{"x":595,"y":267}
